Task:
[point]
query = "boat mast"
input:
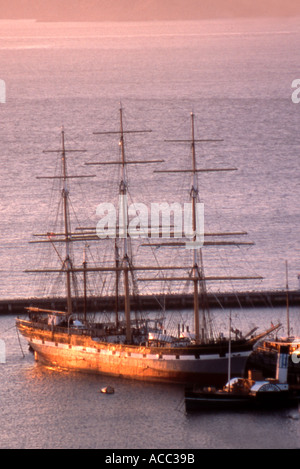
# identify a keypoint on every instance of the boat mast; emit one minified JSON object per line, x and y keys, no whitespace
{"x":125,"y":264}
{"x":287,"y":299}
{"x":194,"y":195}
{"x":65,"y":194}
{"x":84,"y":264}
{"x":66,"y":234}
{"x":117,"y":262}
{"x":198,"y":276}
{"x":123,"y":227}
{"x":198,"y":269}
{"x":229,"y":353}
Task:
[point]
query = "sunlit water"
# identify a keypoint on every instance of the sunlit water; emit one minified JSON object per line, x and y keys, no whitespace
{"x":48,"y":408}
{"x":236,"y":77}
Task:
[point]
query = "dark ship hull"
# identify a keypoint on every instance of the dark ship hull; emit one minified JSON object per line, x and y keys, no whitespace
{"x":204,"y":401}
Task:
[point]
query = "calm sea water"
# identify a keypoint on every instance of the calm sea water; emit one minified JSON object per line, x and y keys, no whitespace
{"x":236,"y":77}
{"x":46,"y":408}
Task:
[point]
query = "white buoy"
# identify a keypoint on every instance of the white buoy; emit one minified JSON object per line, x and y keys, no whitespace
{"x":108,"y":390}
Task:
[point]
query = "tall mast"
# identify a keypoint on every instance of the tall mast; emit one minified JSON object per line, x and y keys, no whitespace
{"x":67,"y":239}
{"x":84,"y":264}
{"x":65,"y":194}
{"x":198,"y":277}
{"x":124,"y":216}
{"x":287,"y":298}
{"x":123,"y":219}
{"x":194,"y":195}
{"x":229,"y":352}
{"x":198,"y":270}
{"x":117,"y":282}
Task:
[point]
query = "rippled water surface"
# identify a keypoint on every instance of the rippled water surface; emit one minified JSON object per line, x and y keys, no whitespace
{"x":50,"y":408}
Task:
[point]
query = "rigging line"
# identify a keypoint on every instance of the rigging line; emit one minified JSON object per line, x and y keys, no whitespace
{"x":246,"y":260}
{"x":155,"y":297}
{"x":72,"y":140}
{"x":20,"y":342}
{"x":218,"y":301}
{"x":91,"y":255}
{"x":42,"y":258}
{"x":6,"y":330}
{"x":147,"y":239}
{"x":54,"y":247}
{"x":74,"y":211}
{"x":53,"y":192}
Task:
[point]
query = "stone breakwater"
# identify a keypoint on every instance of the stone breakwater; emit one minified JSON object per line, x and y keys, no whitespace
{"x":154,"y":302}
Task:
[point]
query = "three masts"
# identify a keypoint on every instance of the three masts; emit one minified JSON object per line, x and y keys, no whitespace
{"x":123,"y":266}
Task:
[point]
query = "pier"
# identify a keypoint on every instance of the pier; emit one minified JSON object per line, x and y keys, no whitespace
{"x":218,"y":300}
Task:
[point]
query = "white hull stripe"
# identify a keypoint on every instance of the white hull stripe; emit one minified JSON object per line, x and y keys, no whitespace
{"x":92,"y":350}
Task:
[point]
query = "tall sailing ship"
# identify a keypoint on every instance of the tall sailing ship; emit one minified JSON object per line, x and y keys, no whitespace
{"x":131,"y":346}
